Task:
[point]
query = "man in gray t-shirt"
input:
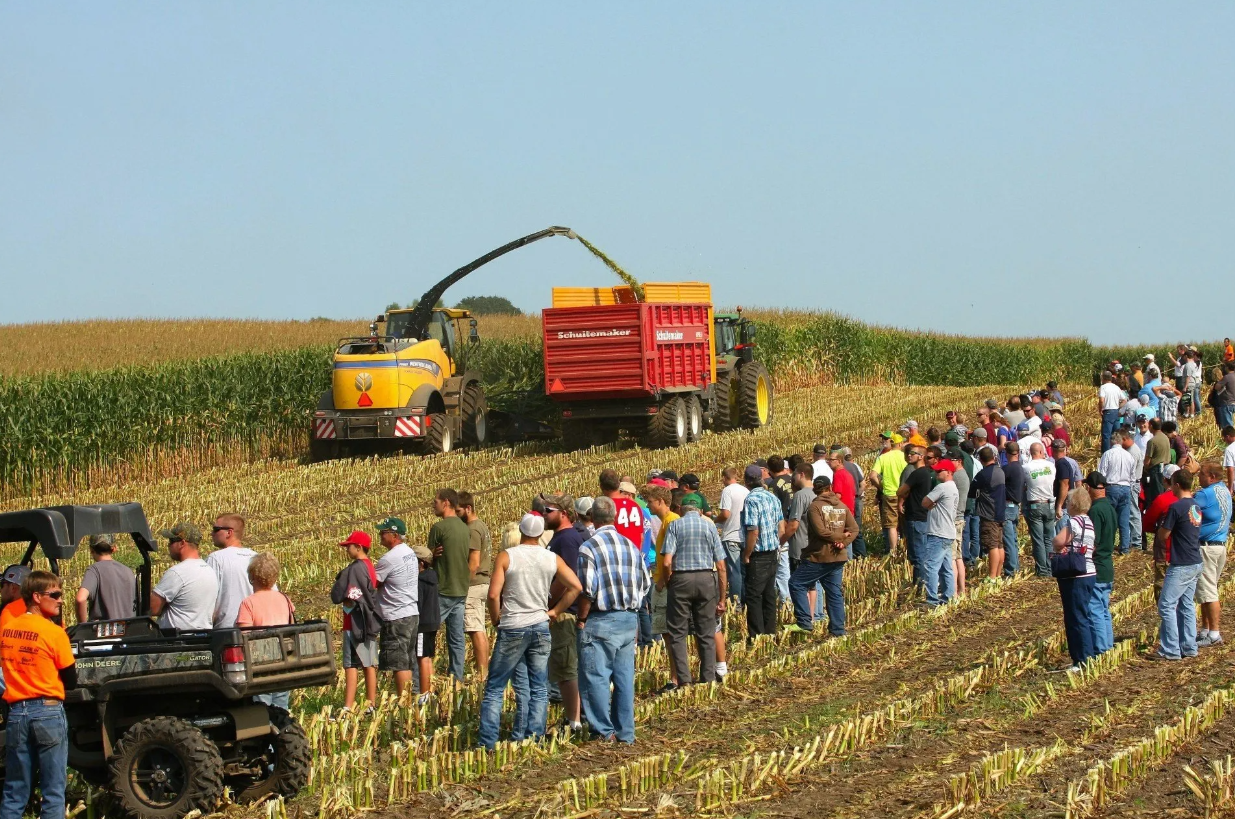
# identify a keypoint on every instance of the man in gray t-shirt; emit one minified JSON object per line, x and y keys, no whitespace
{"x":108,"y":588}
{"x":797,"y":529}
{"x":186,"y":593}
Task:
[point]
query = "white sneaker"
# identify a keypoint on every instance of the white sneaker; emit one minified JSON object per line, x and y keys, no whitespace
{"x":1209,"y":640}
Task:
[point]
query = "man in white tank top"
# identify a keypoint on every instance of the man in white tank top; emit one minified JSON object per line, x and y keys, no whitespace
{"x":518,"y":600}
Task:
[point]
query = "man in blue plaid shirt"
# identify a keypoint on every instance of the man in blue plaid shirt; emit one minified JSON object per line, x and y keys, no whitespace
{"x":615,"y":580}
{"x":764,"y":522}
{"x":695,"y":564}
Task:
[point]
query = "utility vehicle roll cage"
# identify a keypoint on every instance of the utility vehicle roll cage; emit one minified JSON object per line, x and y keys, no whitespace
{"x":58,"y":530}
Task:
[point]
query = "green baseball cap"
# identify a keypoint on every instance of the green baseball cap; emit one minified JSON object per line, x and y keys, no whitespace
{"x":392,"y":524}
{"x":183,"y":531}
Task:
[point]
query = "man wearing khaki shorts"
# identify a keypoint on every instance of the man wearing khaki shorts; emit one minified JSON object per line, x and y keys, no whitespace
{"x":480,"y":563}
{"x":1214,"y":501}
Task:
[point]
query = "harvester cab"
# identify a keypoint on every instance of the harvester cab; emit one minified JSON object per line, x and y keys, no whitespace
{"x":408,"y":385}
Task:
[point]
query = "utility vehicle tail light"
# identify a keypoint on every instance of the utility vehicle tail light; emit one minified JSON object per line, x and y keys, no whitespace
{"x":234,"y":670}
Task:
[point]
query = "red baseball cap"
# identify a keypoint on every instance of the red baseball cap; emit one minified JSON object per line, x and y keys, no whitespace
{"x":358,"y":538}
{"x":945,"y":464}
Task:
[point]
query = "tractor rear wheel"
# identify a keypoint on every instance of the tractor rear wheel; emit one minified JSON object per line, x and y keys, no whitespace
{"x":668,"y":427}
{"x":754,"y":396}
{"x":725,"y":396}
{"x":475,"y":415}
{"x":694,"y":418}
{"x":439,"y":438}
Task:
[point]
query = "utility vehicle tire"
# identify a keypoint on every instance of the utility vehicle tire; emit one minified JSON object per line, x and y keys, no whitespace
{"x":755,"y":396}
{"x":164,"y":768}
{"x":286,"y":757}
{"x":725,"y":418}
{"x":694,"y":418}
{"x":667,"y":428}
{"x":475,"y":411}
{"x":439,"y":438}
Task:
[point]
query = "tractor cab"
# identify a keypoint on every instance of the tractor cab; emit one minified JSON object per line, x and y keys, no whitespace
{"x":447,"y":326}
{"x":734,"y":335}
{"x":58,"y":530}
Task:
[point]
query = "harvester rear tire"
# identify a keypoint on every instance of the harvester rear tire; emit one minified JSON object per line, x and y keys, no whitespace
{"x":475,"y":410}
{"x":694,"y":418}
{"x":755,"y":396}
{"x":322,"y":450}
{"x":724,"y":417}
{"x":439,"y":438}
{"x":668,"y":427}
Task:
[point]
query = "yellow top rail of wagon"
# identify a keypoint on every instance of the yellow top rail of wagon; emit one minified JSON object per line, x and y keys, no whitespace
{"x":654,"y":292}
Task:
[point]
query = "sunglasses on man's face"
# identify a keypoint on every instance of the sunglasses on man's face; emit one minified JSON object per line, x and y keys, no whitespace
{"x":217,"y":529}
{"x":56,"y":595}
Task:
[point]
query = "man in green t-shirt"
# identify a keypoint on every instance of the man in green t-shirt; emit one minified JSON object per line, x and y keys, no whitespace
{"x":885,"y":476}
{"x":450,"y":542}
{"x":693,"y":497}
{"x":1105,"y":525}
{"x":480,"y":565}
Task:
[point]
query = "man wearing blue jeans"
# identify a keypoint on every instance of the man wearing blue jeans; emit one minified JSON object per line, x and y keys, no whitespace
{"x":38,"y":666}
{"x":450,"y":541}
{"x":1040,"y":512}
{"x":518,"y":594}
{"x":1102,"y":514}
{"x":1110,"y":398}
{"x":1014,"y":486}
{"x":1176,"y":609}
{"x":830,"y":528}
{"x":916,"y":482}
{"x":938,"y":567}
{"x":1121,"y":467}
{"x":615,"y":580}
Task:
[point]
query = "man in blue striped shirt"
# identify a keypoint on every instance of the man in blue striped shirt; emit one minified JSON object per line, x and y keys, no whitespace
{"x":695,"y":564}
{"x":764,"y":523}
{"x":615,"y":580}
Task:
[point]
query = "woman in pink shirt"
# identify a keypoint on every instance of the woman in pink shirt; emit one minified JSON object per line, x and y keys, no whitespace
{"x":266,"y":606}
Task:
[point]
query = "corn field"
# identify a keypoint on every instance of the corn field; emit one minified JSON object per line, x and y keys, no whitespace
{"x":924,"y":714}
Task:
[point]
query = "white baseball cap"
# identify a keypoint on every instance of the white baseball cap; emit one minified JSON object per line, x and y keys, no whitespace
{"x":532,"y":525}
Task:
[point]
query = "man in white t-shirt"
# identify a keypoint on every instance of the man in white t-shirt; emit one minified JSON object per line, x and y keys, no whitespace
{"x":186,"y":594}
{"x":1228,"y":457}
{"x":820,"y":465}
{"x":398,"y":586}
{"x":938,"y":567}
{"x":1040,"y":505}
{"x":1110,"y":397}
{"x":729,"y":517}
{"x":230,"y":563}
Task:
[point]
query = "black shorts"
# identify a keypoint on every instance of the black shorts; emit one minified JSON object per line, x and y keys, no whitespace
{"x":990,"y":535}
{"x":396,"y":648}
{"x":426,"y":645}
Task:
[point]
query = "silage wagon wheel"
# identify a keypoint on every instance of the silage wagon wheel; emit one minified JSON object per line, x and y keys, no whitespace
{"x":694,"y":418}
{"x":755,"y":396}
{"x":668,"y":427}
{"x":725,"y":418}
{"x":475,"y":411}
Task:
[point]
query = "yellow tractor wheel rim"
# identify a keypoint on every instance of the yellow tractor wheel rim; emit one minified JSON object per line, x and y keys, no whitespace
{"x":762,"y":399}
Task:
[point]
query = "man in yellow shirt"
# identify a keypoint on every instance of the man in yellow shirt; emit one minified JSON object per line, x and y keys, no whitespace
{"x":660,"y":500}
{"x":38,"y":667}
{"x":885,"y":476}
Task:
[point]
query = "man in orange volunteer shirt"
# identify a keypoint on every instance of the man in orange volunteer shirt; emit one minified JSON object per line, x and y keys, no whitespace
{"x":38,"y":666}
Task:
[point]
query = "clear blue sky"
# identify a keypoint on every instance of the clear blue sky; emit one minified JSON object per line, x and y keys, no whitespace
{"x":996,"y":168}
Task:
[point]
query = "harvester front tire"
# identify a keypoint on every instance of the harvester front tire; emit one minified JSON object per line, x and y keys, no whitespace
{"x":475,"y":411}
{"x":725,"y":416}
{"x":694,"y":418}
{"x":755,"y":396}
{"x":439,"y":438}
{"x":668,"y":427}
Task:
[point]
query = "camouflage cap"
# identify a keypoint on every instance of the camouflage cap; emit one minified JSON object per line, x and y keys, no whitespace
{"x":183,"y":531}
{"x":561,"y":502}
{"x":102,"y":540}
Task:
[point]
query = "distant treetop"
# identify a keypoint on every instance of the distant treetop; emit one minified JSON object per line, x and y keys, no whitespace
{"x":489,"y":306}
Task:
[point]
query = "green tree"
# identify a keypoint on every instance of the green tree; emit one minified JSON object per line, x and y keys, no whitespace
{"x":489,"y":306}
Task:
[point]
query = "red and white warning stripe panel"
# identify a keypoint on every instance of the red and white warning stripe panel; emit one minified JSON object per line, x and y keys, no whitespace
{"x":323,"y":428}
{"x":408,"y":427}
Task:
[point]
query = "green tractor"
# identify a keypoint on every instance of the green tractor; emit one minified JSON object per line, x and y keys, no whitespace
{"x":743,"y":397}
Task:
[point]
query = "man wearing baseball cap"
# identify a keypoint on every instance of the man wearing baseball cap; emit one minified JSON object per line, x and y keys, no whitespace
{"x":108,"y":588}
{"x":1105,"y":525}
{"x":186,"y":594}
{"x":885,"y":476}
{"x":935,"y":556}
{"x":690,"y":482}
{"x":398,"y":578}
{"x":764,"y":520}
{"x":355,"y":589}
{"x":10,"y":593}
